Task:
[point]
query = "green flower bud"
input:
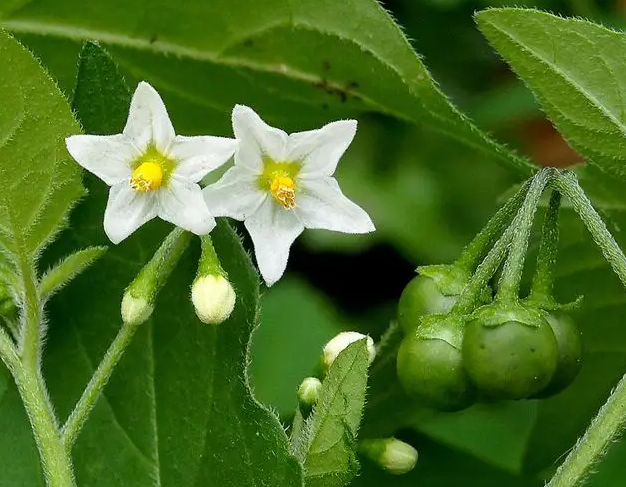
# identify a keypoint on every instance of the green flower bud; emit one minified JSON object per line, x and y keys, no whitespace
{"x":213,"y":298}
{"x":139,"y":297}
{"x":334,"y":347}
{"x":430,"y":364}
{"x":392,"y":455}
{"x":308,"y":394}
{"x":509,"y":350}
{"x":135,"y":310}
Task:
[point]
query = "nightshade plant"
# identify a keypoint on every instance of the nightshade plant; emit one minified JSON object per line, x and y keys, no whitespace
{"x":129,"y":364}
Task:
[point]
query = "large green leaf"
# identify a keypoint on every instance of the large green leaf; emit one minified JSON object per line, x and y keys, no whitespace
{"x":577,"y":72}
{"x":39,"y":183}
{"x":178,"y":410}
{"x":299,"y":63}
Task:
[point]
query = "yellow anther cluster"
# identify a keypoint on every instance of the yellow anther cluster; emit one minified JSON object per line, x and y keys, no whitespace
{"x":147,"y":177}
{"x":283,"y":191}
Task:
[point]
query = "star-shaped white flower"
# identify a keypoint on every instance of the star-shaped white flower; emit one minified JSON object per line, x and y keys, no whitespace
{"x":281,"y":184}
{"x":151,"y":170}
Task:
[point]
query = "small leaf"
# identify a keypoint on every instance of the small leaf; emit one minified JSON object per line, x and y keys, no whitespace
{"x":39,"y":180}
{"x":68,"y":269}
{"x":577,"y":72}
{"x":328,"y":441}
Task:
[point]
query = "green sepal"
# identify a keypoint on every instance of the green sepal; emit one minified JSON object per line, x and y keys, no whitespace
{"x":501,"y":312}
{"x":449,"y":278}
{"x":448,"y":328}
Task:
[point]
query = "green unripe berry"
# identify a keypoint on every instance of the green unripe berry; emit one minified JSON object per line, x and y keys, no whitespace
{"x":430,"y":364}
{"x":433,"y":291}
{"x":421,"y":297}
{"x":509,"y":351}
{"x":569,"y":353}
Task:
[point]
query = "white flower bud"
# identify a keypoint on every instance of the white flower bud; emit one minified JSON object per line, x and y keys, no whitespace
{"x":213,"y":297}
{"x":391,"y":454}
{"x":334,"y":347}
{"x":308,"y":394}
{"x":135,"y":310}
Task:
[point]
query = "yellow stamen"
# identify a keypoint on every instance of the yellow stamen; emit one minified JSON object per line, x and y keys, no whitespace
{"x":147,"y":177}
{"x":283,"y":191}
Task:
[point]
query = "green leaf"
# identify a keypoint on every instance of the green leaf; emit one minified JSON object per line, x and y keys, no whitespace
{"x":68,"y":269}
{"x":577,"y":72}
{"x":178,"y":410}
{"x":39,"y":180}
{"x":298,"y":63}
{"x":328,"y":442}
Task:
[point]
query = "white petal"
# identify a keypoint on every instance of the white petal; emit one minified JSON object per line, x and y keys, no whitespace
{"x":256,"y":139}
{"x":148,"y":121}
{"x":236,"y":194}
{"x":197,"y":156}
{"x":126,"y":211}
{"x":106,"y":156}
{"x":273,"y":229}
{"x":181,"y":203}
{"x":321,"y":204}
{"x":320,"y":150}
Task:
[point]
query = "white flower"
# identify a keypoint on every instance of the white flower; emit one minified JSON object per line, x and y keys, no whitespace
{"x":281,"y":184}
{"x":151,"y":170}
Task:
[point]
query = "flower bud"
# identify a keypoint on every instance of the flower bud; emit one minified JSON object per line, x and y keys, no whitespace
{"x":140,"y":295}
{"x":213,"y":297}
{"x":334,"y":347}
{"x":392,"y":455}
{"x":135,"y":310}
{"x":308,"y":394}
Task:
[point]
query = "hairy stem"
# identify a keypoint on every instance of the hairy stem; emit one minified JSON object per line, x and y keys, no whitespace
{"x":101,"y":376}
{"x":57,"y":465}
{"x":31,"y":315}
{"x":514,"y":265}
{"x":541,"y":289}
{"x":611,"y":418}
{"x":488,"y":236}
{"x":568,"y":185}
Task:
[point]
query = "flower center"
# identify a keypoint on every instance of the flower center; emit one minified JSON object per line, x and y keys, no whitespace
{"x":283,"y":191}
{"x":148,"y":176}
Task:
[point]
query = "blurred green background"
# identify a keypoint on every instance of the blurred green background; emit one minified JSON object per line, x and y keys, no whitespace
{"x":428,"y":195}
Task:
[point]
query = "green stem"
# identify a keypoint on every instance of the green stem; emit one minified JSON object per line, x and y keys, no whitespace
{"x":593,"y":445}
{"x":8,"y":353}
{"x":487,"y":237}
{"x":147,"y":284}
{"x":568,"y":185}
{"x":611,"y":418}
{"x":543,"y":280}
{"x":468,"y":299}
{"x":56,"y":463}
{"x":92,"y":392}
{"x":209,"y":263}
{"x":514,"y":265}
{"x":32,"y":316}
